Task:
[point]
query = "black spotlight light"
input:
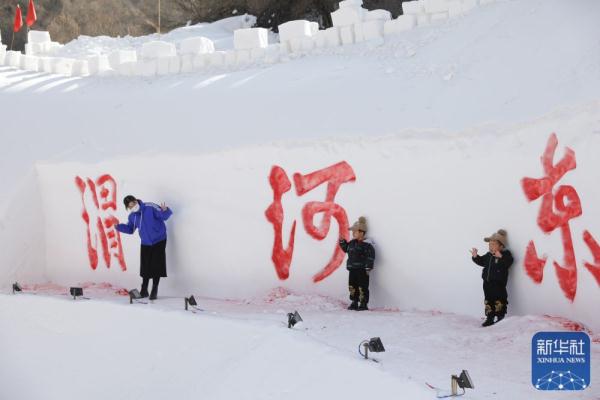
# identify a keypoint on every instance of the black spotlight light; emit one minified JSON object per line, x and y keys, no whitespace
{"x":16,"y":288}
{"x":190,"y":301}
{"x":373,"y":345}
{"x":462,"y":381}
{"x":134,"y":294}
{"x":76,"y":292}
{"x":293,"y":319}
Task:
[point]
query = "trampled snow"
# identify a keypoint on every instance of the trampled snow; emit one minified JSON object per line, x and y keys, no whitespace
{"x":106,"y":348}
{"x":439,"y":124}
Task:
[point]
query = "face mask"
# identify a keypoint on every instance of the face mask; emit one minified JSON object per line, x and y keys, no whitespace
{"x":135,"y":208}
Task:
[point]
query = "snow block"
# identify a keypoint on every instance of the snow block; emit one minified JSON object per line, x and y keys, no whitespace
{"x":436,"y":6}
{"x":383,"y":15}
{"x":197,"y":45}
{"x":294,"y":30}
{"x":62,"y":66}
{"x":468,"y":5}
{"x":423,"y":20}
{"x":350,"y":3}
{"x":359,"y":33}
{"x":320,"y":40}
{"x":308,"y":44}
{"x":51,"y":48}
{"x":251,"y":38}
{"x":242,"y":57}
{"x":98,"y":64}
{"x":230,"y":58}
{"x":30,"y":63}
{"x":146,"y":68}
{"x":174,"y":65}
{"x":413,"y":7}
{"x":295,"y":45}
{"x":455,"y":9}
{"x":332,"y":37}
{"x":38,"y":37}
{"x":273,"y":53}
{"x":314,"y":28}
{"x":13,"y":58}
{"x":439,"y":17}
{"x":45,"y":64}
{"x":258,"y":55}
{"x":158,"y":49}
{"x":200,"y":61}
{"x":121,"y":56}
{"x":130,"y":68}
{"x":187,"y":63}
{"x":347,"y":34}
{"x":2,"y":53}
{"x":216,"y":59}
{"x":373,"y":29}
{"x":80,"y":68}
{"x":347,"y":16}
{"x":162,"y":65}
{"x":401,"y":24}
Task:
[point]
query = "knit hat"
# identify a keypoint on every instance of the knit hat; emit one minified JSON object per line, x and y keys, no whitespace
{"x":499,"y":236}
{"x":360,"y":225}
{"x":128,"y":199}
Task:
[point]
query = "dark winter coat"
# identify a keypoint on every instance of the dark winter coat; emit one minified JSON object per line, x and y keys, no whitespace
{"x":361,"y":254}
{"x":495,"y":269}
{"x":149,"y":221}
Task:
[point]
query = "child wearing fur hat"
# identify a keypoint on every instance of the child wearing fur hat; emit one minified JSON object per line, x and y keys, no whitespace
{"x":361,"y":258}
{"x":496,"y":263}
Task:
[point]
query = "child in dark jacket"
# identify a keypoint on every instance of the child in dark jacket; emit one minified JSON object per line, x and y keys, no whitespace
{"x":496,"y":264}
{"x":361,"y":258}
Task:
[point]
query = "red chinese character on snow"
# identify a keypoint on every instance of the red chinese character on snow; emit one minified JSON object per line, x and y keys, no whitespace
{"x":558,"y":207}
{"x":334,"y":176}
{"x":99,"y":200}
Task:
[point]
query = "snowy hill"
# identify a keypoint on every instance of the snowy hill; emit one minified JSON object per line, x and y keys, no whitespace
{"x":438,"y":125}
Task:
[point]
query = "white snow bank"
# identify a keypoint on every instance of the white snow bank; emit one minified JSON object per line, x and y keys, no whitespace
{"x":429,"y":197}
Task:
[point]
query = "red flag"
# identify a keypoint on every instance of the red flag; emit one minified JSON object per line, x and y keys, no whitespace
{"x":18,"y":20}
{"x":31,"y":17}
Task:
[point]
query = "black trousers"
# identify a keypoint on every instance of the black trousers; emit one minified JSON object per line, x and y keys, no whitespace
{"x":153,"y":260}
{"x":496,"y":298}
{"x":358,"y":284}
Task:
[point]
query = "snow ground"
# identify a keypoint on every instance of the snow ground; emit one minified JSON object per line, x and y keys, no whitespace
{"x":56,"y":348}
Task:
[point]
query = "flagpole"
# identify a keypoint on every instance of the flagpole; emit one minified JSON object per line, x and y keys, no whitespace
{"x":159,"y":18}
{"x":13,"y":40}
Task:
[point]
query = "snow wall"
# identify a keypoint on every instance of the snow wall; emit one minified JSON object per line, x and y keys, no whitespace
{"x":428,"y":196}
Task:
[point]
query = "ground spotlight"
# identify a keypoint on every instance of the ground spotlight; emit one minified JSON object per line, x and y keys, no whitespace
{"x":462,"y":381}
{"x":293,"y":319}
{"x":16,"y":288}
{"x":76,"y":292}
{"x":134,"y":294}
{"x":190,"y":301}
{"x":373,"y":345}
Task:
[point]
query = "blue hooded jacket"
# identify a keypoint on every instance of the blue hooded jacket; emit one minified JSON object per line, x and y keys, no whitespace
{"x":149,"y":221}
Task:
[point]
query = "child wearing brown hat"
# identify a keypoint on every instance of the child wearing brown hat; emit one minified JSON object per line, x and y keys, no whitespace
{"x":496,"y":263}
{"x":361,"y":258}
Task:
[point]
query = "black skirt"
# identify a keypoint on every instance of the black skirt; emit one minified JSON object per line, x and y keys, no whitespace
{"x":153,"y":260}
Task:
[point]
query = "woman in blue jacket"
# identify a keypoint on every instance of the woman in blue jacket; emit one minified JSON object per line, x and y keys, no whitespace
{"x":149,"y":219}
